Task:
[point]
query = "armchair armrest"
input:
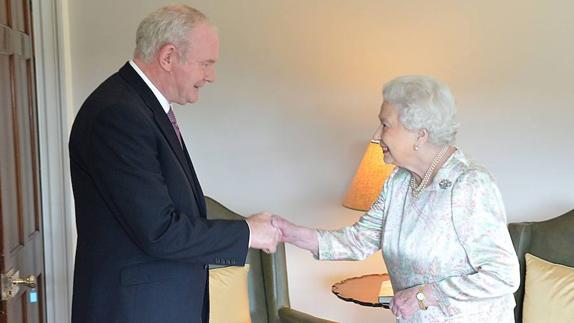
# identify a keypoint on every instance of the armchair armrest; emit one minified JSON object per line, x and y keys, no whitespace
{"x":289,"y":315}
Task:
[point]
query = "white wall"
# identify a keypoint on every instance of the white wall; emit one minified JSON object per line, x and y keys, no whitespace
{"x":299,"y":88}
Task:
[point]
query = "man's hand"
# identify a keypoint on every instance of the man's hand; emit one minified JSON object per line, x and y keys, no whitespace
{"x":264,"y":236}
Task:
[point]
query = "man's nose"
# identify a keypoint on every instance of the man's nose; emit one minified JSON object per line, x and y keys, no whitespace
{"x":210,"y":75}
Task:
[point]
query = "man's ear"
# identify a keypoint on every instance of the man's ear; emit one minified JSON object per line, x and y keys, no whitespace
{"x":167,"y":56}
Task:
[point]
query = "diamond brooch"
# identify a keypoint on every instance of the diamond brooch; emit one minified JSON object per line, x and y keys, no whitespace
{"x":444,"y":184}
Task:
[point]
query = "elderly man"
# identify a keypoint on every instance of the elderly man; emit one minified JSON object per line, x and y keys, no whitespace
{"x":143,"y":238}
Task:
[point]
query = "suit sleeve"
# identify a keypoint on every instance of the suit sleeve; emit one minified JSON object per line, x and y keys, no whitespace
{"x":128,"y":175}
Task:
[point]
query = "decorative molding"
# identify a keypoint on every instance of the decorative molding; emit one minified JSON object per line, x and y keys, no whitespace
{"x":18,"y":42}
{"x":53,"y":112}
{"x":6,"y":40}
{"x":25,"y":45}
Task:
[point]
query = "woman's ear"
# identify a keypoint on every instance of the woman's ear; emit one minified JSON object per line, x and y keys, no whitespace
{"x":422,"y":136}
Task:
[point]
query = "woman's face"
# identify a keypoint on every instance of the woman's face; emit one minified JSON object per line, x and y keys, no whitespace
{"x":396,"y":141}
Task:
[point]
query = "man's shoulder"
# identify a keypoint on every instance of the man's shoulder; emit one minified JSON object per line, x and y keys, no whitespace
{"x":114,"y":88}
{"x":114,"y":91}
{"x":116,"y":95}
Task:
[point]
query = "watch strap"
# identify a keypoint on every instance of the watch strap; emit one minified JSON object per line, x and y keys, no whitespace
{"x":422,"y":304}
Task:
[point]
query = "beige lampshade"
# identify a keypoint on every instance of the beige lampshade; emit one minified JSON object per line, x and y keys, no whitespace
{"x":369,"y":179}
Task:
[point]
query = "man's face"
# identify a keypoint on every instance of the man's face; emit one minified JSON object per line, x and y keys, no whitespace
{"x":198,"y":67}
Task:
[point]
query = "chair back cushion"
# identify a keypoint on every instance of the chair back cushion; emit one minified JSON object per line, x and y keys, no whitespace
{"x":267,"y":278}
{"x":551,"y":240}
{"x":548,"y":292}
{"x":228,"y":295}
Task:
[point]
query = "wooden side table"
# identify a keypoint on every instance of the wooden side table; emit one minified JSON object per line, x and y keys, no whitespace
{"x":362,"y":290}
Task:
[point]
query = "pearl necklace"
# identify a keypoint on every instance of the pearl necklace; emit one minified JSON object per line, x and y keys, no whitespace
{"x":416,"y":190}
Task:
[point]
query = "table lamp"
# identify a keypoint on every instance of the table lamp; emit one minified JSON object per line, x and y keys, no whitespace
{"x":368,"y":180}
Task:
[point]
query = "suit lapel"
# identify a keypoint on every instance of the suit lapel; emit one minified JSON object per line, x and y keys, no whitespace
{"x":163,"y":123}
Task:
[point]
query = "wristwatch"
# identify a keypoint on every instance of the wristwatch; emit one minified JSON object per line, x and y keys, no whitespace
{"x":421,"y":298}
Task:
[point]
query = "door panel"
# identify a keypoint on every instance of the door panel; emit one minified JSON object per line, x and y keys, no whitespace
{"x":20,"y":209}
{"x":17,"y":15}
{"x":34,"y":184}
{"x":8,"y":170}
{"x":24,"y":151}
{"x":3,"y":10}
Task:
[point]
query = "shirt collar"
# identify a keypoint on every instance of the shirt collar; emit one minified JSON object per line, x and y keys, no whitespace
{"x":162,"y":100}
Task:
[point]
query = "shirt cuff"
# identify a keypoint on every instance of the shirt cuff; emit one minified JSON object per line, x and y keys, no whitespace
{"x":249,"y":245}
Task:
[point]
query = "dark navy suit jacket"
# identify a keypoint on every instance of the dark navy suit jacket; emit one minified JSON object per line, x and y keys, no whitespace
{"x":143,"y":237}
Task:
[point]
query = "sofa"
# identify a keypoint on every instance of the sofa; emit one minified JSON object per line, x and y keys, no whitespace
{"x":552,"y":240}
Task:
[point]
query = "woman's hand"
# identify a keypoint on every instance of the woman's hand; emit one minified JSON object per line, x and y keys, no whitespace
{"x":299,"y":236}
{"x":404,"y":304}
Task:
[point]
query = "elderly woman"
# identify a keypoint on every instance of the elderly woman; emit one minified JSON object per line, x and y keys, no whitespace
{"x":439,"y":220}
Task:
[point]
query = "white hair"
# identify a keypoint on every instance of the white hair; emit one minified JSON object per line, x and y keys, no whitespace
{"x":169,"y":24}
{"x":424,"y":103}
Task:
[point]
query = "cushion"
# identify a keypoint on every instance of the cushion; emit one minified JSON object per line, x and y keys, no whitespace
{"x":548,"y":292}
{"x":228,"y":295}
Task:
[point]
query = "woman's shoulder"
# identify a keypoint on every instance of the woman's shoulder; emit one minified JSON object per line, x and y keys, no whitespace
{"x":465,"y":169}
{"x":398,"y":175}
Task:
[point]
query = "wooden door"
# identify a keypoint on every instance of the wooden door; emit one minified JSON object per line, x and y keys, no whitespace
{"x":21,"y":244}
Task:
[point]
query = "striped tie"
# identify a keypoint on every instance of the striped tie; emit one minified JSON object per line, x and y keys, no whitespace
{"x":173,"y":121}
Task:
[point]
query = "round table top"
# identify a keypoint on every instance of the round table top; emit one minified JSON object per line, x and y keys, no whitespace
{"x":362,"y":290}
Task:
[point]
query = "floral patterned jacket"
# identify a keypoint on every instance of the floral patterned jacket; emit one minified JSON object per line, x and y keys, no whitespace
{"x":453,"y":235}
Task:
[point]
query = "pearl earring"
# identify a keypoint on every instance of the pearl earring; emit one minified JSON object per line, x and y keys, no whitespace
{"x":416,"y":147}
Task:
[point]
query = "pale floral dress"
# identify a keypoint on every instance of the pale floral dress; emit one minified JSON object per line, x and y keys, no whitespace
{"x":453,"y":236}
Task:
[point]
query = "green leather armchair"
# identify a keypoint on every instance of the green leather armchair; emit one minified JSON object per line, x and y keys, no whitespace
{"x":551,"y":240}
{"x":268,"y":290}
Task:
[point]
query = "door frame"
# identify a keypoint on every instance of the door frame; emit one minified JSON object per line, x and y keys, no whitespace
{"x":55,"y":114}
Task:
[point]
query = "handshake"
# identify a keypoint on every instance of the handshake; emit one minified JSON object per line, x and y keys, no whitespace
{"x":267,"y":230}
